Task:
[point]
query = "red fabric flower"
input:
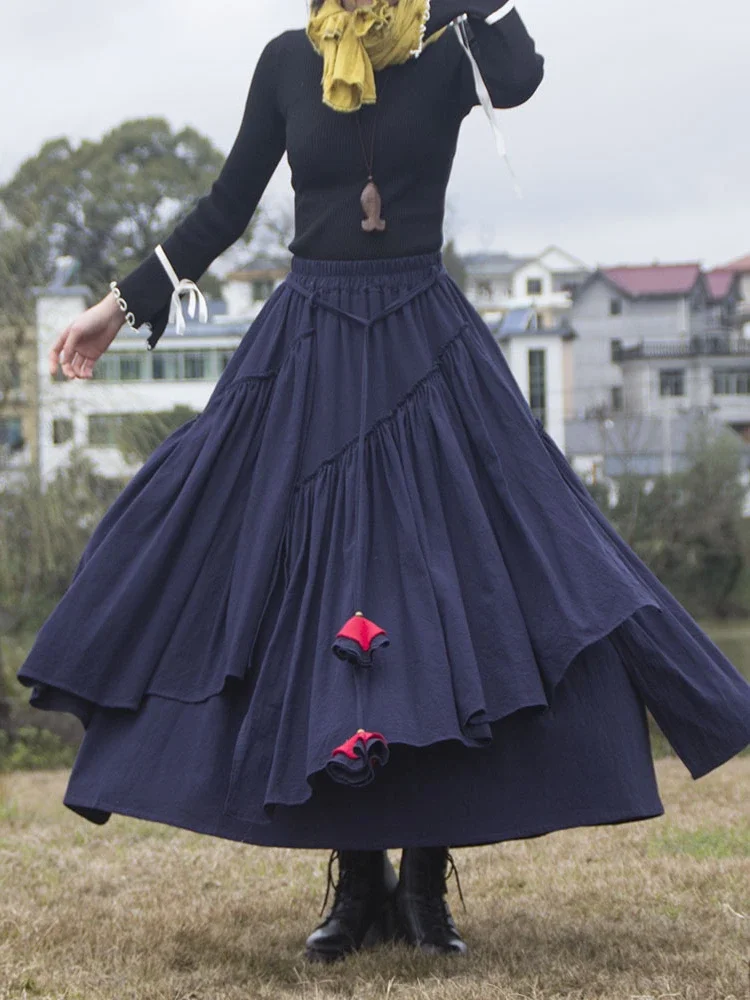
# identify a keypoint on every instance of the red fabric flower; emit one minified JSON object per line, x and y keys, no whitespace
{"x":354,"y":762}
{"x":358,"y":639}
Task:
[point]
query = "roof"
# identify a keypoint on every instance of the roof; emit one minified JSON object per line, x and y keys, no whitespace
{"x":719,"y":283}
{"x":517,"y":321}
{"x":654,"y":279}
{"x":566,"y":262}
{"x":493,"y":264}
{"x":741,"y":265}
{"x":525,"y":323}
{"x":265,"y":265}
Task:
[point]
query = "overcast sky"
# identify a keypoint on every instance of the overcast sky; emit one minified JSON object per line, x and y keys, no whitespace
{"x":635,"y":148}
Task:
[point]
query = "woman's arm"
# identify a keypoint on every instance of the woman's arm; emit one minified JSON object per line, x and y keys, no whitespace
{"x":504,"y":51}
{"x":220,"y":217}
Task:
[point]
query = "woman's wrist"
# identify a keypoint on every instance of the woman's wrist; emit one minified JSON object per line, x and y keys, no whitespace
{"x":443,"y":12}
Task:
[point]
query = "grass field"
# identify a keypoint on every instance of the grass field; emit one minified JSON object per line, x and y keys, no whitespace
{"x":639,"y":911}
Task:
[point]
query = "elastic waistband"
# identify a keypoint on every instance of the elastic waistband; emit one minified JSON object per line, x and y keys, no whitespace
{"x":423,"y":262}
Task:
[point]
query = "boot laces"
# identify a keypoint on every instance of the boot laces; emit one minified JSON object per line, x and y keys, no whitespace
{"x":433,"y":904}
{"x":347,"y":889}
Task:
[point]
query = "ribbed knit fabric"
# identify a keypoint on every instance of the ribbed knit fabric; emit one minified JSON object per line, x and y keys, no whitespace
{"x":421,"y":105}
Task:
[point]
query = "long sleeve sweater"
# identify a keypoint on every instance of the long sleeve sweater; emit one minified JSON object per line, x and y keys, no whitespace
{"x":419,"y":110}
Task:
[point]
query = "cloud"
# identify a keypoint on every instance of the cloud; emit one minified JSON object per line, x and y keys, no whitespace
{"x":634,"y":147}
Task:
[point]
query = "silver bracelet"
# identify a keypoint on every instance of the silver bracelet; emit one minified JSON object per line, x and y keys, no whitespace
{"x":129,"y":316}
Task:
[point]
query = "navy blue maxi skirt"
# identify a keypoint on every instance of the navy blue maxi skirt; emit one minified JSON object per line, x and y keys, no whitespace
{"x":363,"y":601}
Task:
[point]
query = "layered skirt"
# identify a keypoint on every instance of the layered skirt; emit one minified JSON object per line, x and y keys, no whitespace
{"x":363,"y":601}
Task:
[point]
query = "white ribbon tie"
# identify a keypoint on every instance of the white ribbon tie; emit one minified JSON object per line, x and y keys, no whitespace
{"x":182,"y":286}
{"x":481,"y":87}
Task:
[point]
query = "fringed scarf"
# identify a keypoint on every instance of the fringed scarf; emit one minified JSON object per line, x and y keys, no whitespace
{"x":354,"y":44}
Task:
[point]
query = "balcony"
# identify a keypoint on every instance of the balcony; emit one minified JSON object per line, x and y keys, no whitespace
{"x":707,"y":345}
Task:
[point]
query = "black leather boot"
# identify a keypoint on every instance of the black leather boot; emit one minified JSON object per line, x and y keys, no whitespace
{"x":424,"y":919}
{"x":362,"y":913}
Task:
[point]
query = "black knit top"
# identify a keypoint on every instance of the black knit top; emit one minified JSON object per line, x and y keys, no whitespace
{"x":420,"y":107}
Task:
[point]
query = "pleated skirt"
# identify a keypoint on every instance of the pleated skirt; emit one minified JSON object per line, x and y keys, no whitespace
{"x":363,"y":601}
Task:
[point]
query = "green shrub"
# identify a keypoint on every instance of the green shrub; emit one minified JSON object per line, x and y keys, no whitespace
{"x":33,"y":749}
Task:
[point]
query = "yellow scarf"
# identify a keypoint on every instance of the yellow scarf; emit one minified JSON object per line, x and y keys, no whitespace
{"x":356,"y":43}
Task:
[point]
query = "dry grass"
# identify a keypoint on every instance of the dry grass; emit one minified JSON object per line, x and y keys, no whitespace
{"x":657,"y":909}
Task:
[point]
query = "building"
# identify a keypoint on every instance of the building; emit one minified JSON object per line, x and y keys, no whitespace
{"x":724,"y":295}
{"x":629,"y":305}
{"x":129,"y":379}
{"x":708,"y":373}
{"x":498,"y":283}
{"x":246,"y":289}
{"x":741,"y":268}
{"x":541,"y":360}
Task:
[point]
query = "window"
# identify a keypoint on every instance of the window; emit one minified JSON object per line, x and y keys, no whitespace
{"x":130,"y":368}
{"x":262,"y":290}
{"x":224,"y":358}
{"x":615,"y":307}
{"x":538,"y":384}
{"x":107,"y":368}
{"x":165,"y":365}
{"x":104,"y":429}
{"x":484,"y":289}
{"x":11,"y":433}
{"x":672,"y":382}
{"x":728,"y":382}
{"x":62,"y":430}
{"x":195,"y":364}
{"x":617,"y":398}
{"x":533,"y":286}
{"x":113,"y":367}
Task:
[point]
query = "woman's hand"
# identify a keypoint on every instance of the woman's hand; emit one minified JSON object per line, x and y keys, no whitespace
{"x":84,"y":340}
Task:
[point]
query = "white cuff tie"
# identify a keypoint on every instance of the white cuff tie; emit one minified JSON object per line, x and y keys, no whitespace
{"x":181,"y":286}
{"x":502,"y":12}
{"x":481,"y":87}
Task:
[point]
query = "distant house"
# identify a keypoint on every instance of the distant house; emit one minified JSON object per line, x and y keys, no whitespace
{"x":540,"y":359}
{"x":128,"y":379}
{"x":710,"y":373}
{"x":723,"y":287}
{"x":741,"y":267}
{"x":629,"y":305}
{"x":246,"y":289}
{"x":498,"y":283}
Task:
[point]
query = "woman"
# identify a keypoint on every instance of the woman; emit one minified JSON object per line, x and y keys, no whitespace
{"x":362,"y":601}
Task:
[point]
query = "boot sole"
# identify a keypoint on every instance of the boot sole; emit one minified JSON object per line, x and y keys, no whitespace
{"x":383,"y":928}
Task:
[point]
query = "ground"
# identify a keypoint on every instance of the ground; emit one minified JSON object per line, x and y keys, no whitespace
{"x":639,"y":911}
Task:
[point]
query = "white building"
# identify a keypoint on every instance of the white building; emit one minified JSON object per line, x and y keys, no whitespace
{"x":498,"y":283}
{"x":541,"y":360}
{"x":246,"y":289}
{"x":129,"y":379}
{"x":706,"y":374}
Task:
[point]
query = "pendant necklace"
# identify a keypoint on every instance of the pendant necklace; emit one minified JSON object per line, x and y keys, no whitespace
{"x":370,"y":199}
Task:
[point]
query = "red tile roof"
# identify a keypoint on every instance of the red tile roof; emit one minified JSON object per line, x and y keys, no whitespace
{"x":719,"y":282}
{"x":654,"y":279}
{"x":742,"y":264}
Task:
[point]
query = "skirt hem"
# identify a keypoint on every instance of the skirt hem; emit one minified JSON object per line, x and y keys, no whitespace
{"x":184,"y":821}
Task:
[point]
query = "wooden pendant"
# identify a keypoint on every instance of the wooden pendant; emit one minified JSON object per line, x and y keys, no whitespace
{"x":371,"y":205}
